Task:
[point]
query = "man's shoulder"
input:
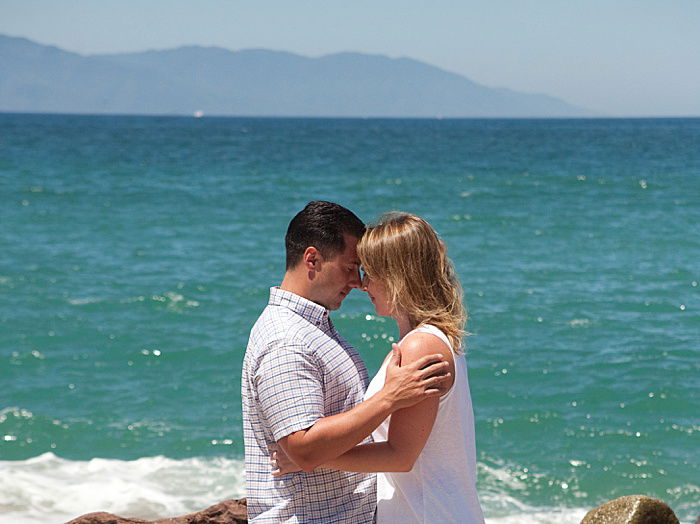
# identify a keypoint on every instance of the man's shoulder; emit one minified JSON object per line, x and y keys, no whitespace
{"x":279,"y":328}
{"x":277,"y":322}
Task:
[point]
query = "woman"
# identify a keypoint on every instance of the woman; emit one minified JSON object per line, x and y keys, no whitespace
{"x":424,"y":455}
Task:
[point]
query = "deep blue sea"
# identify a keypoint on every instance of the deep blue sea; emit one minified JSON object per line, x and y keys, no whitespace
{"x":136,"y":253}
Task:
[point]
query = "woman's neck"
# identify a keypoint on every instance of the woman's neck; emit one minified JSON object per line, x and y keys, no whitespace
{"x":404,"y":324}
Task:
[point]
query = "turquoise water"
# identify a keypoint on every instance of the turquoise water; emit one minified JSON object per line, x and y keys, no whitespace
{"x":136,"y":253}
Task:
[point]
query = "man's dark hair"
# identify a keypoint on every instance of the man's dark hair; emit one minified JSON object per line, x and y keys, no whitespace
{"x":322,"y":225}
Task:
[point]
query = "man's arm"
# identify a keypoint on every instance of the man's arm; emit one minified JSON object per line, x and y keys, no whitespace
{"x":330,"y":437}
{"x":409,"y":428}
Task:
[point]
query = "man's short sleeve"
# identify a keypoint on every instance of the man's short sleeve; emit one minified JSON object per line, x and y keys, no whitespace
{"x":290,"y":389}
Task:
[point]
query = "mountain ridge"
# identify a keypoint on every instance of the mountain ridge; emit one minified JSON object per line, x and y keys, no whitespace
{"x":251,"y":82}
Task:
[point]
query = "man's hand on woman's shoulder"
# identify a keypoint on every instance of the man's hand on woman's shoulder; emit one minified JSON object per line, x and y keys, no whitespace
{"x":414,"y":377}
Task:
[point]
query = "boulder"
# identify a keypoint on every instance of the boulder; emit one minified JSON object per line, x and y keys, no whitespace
{"x":633,"y":509}
{"x":226,"y":512}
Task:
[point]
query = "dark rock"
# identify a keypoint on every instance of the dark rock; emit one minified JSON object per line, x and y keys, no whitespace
{"x":226,"y":512}
{"x":633,"y":509}
{"x":101,"y":517}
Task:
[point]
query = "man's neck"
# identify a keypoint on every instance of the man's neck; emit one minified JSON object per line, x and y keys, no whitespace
{"x":294,"y":284}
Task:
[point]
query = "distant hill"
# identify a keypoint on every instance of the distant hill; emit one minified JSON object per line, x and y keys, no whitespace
{"x":38,"y":78}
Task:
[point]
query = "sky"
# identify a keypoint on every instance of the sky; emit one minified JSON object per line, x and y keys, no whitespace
{"x":615,"y":57}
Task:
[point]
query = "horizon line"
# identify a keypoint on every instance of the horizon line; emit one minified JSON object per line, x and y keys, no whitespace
{"x":334,"y":117}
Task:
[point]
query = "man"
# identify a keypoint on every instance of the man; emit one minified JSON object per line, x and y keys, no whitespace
{"x":302,"y":383}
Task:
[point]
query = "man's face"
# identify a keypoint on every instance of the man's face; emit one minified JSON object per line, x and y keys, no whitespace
{"x":337,"y":276}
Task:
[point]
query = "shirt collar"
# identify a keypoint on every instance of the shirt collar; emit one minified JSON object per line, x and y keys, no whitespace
{"x":311,"y":311}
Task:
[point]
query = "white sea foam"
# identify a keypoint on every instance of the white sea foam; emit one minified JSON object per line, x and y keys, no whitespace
{"x":85,"y":300}
{"x":501,"y":506}
{"x":534,"y":516}
{"x":48,"y":489}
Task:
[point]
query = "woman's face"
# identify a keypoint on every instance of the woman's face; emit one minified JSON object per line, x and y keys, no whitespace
{"x":378,"y":294}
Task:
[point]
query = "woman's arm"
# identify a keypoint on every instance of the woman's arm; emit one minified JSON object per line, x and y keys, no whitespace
{"x":409,"y":428}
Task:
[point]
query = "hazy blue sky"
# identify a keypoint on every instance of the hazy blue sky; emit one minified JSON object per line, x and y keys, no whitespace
{"x":619,"y":57}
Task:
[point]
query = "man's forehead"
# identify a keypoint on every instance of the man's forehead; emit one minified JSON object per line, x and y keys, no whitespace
{"x":350,"y":252}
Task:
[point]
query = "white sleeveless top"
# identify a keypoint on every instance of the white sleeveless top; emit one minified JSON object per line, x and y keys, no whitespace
{"x":441,"y":487}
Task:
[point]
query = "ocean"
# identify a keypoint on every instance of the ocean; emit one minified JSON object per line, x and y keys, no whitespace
{"x":136,"y":253}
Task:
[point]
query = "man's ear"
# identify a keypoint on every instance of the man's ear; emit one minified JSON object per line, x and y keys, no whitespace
{"x":311,"y":259}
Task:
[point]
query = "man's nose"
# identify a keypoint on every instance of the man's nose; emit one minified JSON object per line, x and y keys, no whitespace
{"x":356,"y":281}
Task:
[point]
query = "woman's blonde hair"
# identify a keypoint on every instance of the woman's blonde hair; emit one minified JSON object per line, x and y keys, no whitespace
{"x":406,"y":254}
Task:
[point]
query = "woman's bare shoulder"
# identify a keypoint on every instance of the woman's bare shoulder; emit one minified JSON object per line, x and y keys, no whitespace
{"x":420,"y":344}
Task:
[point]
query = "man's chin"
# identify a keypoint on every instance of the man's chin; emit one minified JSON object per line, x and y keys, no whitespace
{"x":339,"y":302}
{"x":330,"y":306}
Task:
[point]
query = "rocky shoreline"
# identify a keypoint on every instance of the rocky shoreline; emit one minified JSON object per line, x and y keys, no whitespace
{"x":233,"y":511}
{"x":633,"y":509}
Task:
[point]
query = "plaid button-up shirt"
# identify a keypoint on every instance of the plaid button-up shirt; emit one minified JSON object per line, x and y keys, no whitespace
{"x":298,"y":369}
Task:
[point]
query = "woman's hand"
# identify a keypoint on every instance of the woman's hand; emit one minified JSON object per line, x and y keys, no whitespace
{"x":281,"y":463}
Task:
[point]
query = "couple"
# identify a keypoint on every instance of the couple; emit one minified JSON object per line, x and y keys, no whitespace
{"x":321,"y":446}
